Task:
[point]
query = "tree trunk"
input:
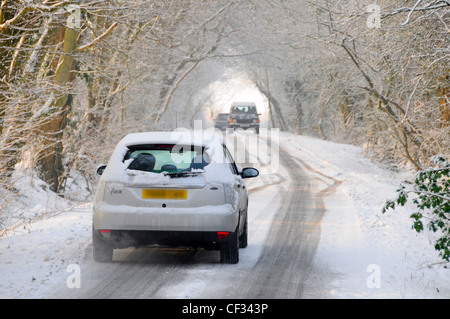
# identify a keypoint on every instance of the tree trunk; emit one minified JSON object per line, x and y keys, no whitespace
{"x":50,"y":159}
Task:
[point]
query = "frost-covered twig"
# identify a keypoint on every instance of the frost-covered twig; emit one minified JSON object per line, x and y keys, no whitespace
{"x":436,"y":4}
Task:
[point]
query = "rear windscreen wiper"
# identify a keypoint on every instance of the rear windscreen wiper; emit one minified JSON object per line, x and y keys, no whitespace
{"x":182,"y":174}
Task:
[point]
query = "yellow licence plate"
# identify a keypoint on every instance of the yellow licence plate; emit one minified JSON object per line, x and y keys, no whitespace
{"x":164,"y":193}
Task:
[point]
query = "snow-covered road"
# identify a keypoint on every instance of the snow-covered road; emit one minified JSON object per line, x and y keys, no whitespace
{"x":316,"y":231}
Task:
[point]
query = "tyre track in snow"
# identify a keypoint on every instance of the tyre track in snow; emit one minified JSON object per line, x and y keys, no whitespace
{"x":285,"y":268}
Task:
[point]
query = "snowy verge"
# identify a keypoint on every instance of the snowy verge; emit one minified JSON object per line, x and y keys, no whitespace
{"x":373,"y":255}
{"x":36,"y":259}
{"x":42,"y":234}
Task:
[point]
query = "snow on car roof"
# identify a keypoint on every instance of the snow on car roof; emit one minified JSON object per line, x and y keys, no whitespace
{"x":198,"y":138}
{"x":243,"y":104}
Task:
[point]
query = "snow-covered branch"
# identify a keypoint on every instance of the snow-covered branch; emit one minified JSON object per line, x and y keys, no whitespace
{"x":433,"y":5}
{"x":99,"y":38}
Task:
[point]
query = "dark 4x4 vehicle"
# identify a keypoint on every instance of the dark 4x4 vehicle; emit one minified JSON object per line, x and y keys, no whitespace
{"x":244,"y":115}
{"x":221,"y":121}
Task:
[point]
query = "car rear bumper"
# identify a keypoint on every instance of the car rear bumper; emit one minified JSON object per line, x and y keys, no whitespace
{"x":138,"y":238}
{"x":244,"y":125}
{"x":221,"y":125}
{"x":199,"y":219}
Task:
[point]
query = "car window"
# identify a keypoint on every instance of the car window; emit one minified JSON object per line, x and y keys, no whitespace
{"x":166,"y":158}
{"x":243,"y":110}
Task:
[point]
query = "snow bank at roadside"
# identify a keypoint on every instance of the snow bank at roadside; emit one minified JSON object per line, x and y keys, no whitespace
{"x":36,"y":259}
{"x":373,"y":255}
{"x":42,"y":234}
{"x":32,"y":199}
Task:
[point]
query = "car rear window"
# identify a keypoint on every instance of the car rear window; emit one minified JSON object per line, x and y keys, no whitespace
{"x":169,"y":158}
{"x":243,"y":109}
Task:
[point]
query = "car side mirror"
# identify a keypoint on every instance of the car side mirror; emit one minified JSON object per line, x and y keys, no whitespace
{"x":249,"y":172}
{"x":101,"y":169}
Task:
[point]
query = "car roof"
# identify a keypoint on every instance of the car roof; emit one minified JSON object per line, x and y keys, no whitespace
{"x":198,"y":138}
{"x":243,"y":104}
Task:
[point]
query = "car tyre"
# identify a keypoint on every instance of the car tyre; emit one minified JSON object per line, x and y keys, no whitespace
{"x":229,"y":252}
{"x":243,"y":241}
{"x":102,"y":250}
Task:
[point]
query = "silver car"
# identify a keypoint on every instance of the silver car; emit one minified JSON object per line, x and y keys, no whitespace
{"x":177,"y":189}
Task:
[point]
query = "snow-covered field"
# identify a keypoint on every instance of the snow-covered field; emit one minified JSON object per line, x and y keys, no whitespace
{"x":370,"y":254}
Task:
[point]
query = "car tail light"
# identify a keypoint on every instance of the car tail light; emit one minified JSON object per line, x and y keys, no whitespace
{"x":105,"y":231}
{"x":222,"y":234}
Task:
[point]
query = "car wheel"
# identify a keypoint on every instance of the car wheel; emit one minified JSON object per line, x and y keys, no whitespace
{"x":229,"y":252}
{"x":243,"y":238}
{"x":102,"y":250}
